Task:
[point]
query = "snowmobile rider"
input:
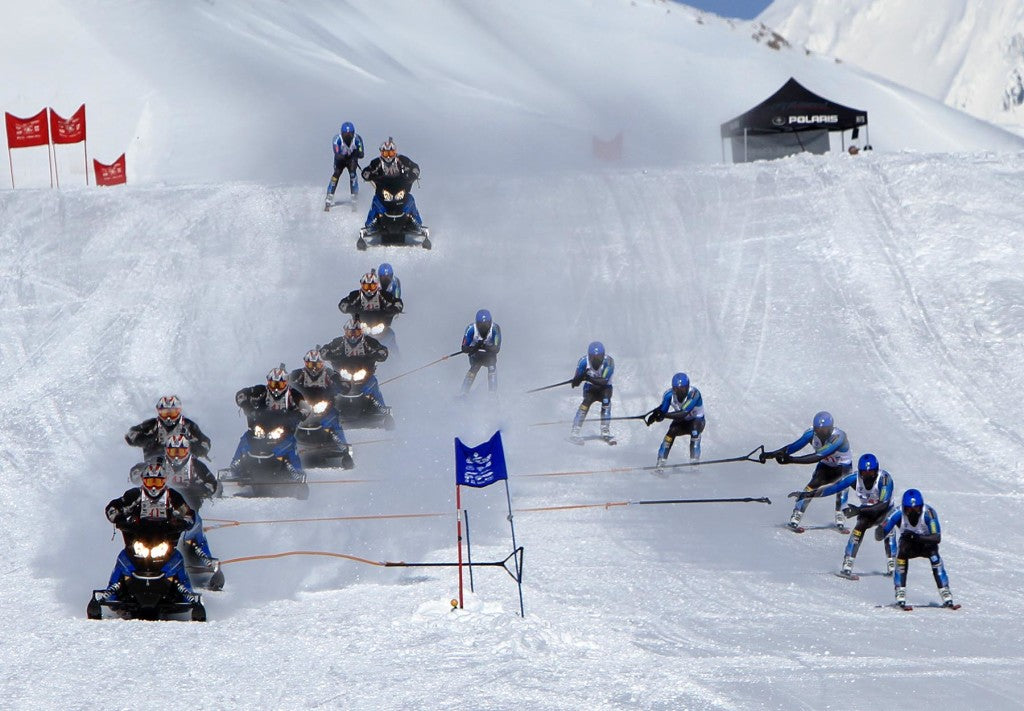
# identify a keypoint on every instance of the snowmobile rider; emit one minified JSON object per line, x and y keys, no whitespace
{"x":683,"y":405}
{"x":145,"y":508}
{"x":354,"y":351}
{"x":195,"y":482}
{"x":481,"y":342}
{"x":920,"y":535}
{"x":318,"y":382}
{"x":596,"y":368}
{"x":152,"y":434}
{"x":832,"y":456}
{"x":370,"y":302}
{"x":270,"y":406}
{"x":392,"y":174}
{"x":874,"y":488}
{"x":348,"y":151}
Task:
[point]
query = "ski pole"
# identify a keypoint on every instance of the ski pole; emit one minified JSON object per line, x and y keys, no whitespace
{"x":569,"y":422}
{"x":410,"y":372}
{"x":749,"y":457}
{"x":548,"y":387}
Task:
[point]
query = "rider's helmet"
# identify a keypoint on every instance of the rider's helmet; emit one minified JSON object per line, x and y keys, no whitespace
{"x":277,"y":383}
{"x":388,"y":151}
{"x":347,"y":132}
{"x":595,"y":354}
{"x":353,"y":330}
{"x":385,"y":272}
{"x":823,"y":425}
{"x":483,"y":321}
{"x":680,"y":385}
{"x":314,"y":362}
{"x":369,"y":284}
{"x":168,"y":411}
{"x":913,"y":505}
{"x":154,"y":479}
{"x":177,"y":450}
{"x":867,"y":466}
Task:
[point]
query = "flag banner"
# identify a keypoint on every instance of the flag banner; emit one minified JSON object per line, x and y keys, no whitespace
{"x":68,"y":130}
{"x":607,"y":150}
{"x":482,"y":465}
{"x":113,"y":174}
{"x":27,"y":132}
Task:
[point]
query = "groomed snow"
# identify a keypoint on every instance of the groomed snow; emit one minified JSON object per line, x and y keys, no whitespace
{"x":884,"y":287}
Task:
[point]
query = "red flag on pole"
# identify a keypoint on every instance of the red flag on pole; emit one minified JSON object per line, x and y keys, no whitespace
{"x":113,"y":174}
{"x":27,"y":132}
{"x":68,"y":130}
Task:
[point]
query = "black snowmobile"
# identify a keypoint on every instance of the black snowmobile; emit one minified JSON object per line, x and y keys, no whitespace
{"x":150,"y":586}
{"x":355,"y":408}
{"x":317,"y":447}
{"x":394,"y":226}
{"x":263,"y":470}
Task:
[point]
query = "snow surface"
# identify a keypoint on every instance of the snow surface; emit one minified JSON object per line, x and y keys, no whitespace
{"x":885,"y":287}
{"x":966,"y":53}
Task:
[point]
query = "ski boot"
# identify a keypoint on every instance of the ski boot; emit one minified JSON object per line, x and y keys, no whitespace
{"x":841,"y":522}
{"x":947,"y":597}
{"x":794,"y":521}
{"x":890,"y":566}
{"x":847,"y":570}
{"x":328,"y":202}
{"x":901,"y":598}
{"x":575,"y":436}
{"x":659,"y":467}
{"x":606,"y":435}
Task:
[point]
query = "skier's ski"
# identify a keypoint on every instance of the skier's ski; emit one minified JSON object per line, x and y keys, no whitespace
{"x":843,"y":530}
{"x":794,"y":528}
{"x":846,"y":575}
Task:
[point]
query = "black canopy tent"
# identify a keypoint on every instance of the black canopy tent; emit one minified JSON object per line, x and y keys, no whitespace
{"x":792,"y":120}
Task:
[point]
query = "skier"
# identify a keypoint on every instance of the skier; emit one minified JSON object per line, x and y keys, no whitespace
{"x":874,"y":488}
{"x":389,"y":283}
{"x":683,"y":404}
{"x":392,"y":173}
{"x":596,"y":369}
{"x":832,"y":456}
{"x":271,"y":406}
{"x":152,"y":434}
{"x":318,"y":381}
{"x":348,"y":151}
{"x":354,"y":351}
{"x":151,"y":504}
{"x":481,"y":343}
{"x":920,"y":535}
{"x":193,"y":480}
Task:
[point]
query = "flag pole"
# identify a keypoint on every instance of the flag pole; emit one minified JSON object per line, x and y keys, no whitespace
{"x":85,"y":156}
{"x":469,"y":552}
{"x":515,"y":549}
{"x":49,"y":146}
{"x":11,"y":161}
{"x":458,"y":530}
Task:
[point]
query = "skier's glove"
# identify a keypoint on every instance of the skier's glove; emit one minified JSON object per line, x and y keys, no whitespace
{"x":851,"y":511}
{"x":783,"y":457}
{"x":576,"y":380}
{"x":467,"y":349}
{"x":879,"y":532}
{"x":800,"y":495}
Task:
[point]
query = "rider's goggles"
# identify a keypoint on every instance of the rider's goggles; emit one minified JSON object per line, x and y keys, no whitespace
{"x":278,"y":386}
{"x":153,"y":482}
{"x":314,"y":366}
{"x":369,"y":287}
{"x":177,"y":452}
{"x":390,"y":153}
{"x":170,"y":413}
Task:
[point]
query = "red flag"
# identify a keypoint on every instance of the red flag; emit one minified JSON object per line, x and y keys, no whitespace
{"x":68,"y":130}
{"x":28,"y":132}
{"x":607,"y":150}
{"x":113,"y":174}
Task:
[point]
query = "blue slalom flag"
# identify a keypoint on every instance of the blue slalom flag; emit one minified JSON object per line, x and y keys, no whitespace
{"x":482,"y":465}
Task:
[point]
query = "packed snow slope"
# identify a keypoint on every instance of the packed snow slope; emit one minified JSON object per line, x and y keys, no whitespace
{"x":884,"y":288}
{"x":198,"y":91}
{"x":968,"y":54}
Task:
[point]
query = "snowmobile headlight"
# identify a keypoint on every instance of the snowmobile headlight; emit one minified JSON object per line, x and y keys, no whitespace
{"x":387,"y":195}
{"x":399,"y":195}
{"x":140,"y":550}
{"x":374,"y":330}
{"x":345,"y":374}
{"x":319,"y":407}
{"x":258,"y":432}
{"x":359,"y":374}
{"x":276,"y":433}
{"x":160,"y":550}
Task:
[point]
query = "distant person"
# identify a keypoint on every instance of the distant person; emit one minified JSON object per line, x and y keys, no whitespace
{"x":595,"y":370}
{"x":348,"y":151}
{"x":481,"y":342}
{"x":683,"y":405}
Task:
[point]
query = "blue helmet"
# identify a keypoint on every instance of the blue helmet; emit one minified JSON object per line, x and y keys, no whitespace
{"x":483,"y":320}
{"x":385,"y":272}
{"x":912,"y":499}
{"x":347,"y":129}
{"x":823,"y":425}
{"x":867,"y":463}
{"x":681,"y":383}
{"x":595,"y":353}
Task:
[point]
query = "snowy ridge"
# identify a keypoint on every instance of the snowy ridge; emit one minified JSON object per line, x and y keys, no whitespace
{"x":968,"y":54}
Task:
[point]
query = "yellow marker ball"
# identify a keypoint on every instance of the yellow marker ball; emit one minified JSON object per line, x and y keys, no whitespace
{"x":455,"y":603}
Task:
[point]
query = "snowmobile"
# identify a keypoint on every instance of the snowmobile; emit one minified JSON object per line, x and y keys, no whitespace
{"x":150,"y":588}
{"x":355,"y":408}
{"x":317,"y":447}
{"x":395,"y":225}
{"x":263,"y":469}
